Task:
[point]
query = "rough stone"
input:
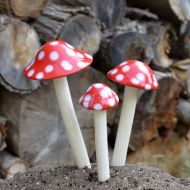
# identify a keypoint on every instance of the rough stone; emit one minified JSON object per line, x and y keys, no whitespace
{"x":130,"y":177}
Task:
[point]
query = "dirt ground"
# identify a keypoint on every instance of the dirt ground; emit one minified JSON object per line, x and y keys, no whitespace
{"x":131,"y":177}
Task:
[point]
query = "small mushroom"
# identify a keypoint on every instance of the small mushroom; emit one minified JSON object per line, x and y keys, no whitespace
{"x":99,"y":97}
{"x":133,"y":75}
{"x":56,"y":60}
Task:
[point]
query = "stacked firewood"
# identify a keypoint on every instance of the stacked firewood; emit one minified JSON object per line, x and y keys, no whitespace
{"x":155,"y":32}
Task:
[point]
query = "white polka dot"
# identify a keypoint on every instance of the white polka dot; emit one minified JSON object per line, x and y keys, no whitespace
{"x":147,"y":86}
{"x":113,"y":72}
{"x":135,"y":81}
{"x":98,"y":106}
{"x":142,"y":66}
{"x":69,"y":46}
{"x":40,"y":75}
{"x":139,"y":64}
{"x":41,"y":55}
{"x":70,"y":52}
{"x":49,"y":68}
{"x":89,"y":56}
{"x":80,"y":55}
{"x":30,"y":73}
{"x":104,"y":94}
{"x":68,"y":67}
{"x":85,"y":104}
{"x":81,"y":98}
{"x":119,"y":77}
{"x":98,"y":85}
{"x":140,"y":76}
{"x":54,"y":56}
{"x":126,"y":68}
{"x":64,"y":63}
{"x":82,"y":64}
{"x":54,"y":43}
{"x":107,"y":89}
{"x":88,"y":97}
{"x":111,"y":102}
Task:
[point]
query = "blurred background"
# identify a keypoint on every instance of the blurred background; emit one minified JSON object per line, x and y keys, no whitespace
{"x":155,"y":32}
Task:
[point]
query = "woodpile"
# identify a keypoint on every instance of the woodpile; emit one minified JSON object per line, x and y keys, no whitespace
{"x":156,"y":32}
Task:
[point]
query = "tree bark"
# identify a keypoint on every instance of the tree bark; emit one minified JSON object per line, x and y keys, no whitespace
{"x":180,"y":48}
{"x":151,"y":119}
{"x":144,"y":41}
{"x":73,"y":2}
{"x":171,"y":10}
{"x":69,"y":24}
{"x":18,"y":44}
{"x":162,"y":34}
{"x":22,"y":8}
{"x":3,"y":133}
{"x":108,"y":12}
{"x":113,"y":51}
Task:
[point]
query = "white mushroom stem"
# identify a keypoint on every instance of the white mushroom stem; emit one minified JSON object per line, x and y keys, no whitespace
{"x":102,"y":157}
{"x":71,"y":122}
{"x":125,"y":126}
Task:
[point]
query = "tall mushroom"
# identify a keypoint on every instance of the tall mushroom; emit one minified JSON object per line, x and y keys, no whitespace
{"x":56,"y":60}
{"x":134,"y":75}
{"x":99,"y":97}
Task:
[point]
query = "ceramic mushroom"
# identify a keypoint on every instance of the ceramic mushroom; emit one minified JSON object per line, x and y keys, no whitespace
{"x":133,"y":75}
{"x":99,"y":98}
{"x":56,"y":60}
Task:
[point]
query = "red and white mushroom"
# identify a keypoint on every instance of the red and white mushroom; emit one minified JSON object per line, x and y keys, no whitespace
{"x":56,"y":60}
{"x":99,"y":98}
{"x":133,"y":75}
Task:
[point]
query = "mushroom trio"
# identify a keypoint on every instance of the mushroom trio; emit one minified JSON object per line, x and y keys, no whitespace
{"x":56,"y":60}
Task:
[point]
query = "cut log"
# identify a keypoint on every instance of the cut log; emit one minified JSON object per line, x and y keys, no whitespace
{"x":69,"y":24}
{"x":171,"y":10}
{"x":37,"y":133}
{"x":183,"y":112}
{"x":22,"y":8}
{"x":183,"y":118}
{"x":109,"y":12}
{"x":73,"y":2}
{"x":139,"y":14}
{"x":18,"y":44}
{"x":161,"y":34}
{"x":144,"y":41}
{"x":180,"y":48}
{"x":10,"y":165}
{"x":3,"y":132}
{"x":113,"y":51}
{"x":155,"y":114}
{"x":182,"y":70}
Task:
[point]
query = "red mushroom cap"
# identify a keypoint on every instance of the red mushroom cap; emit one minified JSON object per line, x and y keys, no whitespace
{"x":99,"y":97}
{"x":57,"y":59}
{"x":135,"y":74}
